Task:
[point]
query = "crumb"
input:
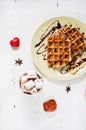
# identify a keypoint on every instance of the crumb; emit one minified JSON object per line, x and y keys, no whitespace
{"x":68,"y":88}
{"x":19,"y":61}
{"x":50,"y":105}
{"x":14,"y":106}
{"x":57,"y":4}
{"x":13,"y":81}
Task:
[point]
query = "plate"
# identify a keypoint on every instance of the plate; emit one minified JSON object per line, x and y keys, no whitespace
{"x":37,"y":46}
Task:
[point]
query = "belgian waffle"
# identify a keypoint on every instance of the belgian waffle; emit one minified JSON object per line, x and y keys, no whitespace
{"x":64,"y":45}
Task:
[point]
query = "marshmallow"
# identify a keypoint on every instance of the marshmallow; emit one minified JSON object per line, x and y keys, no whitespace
{"x":32,"y":74}
{"x":29,"y":84}
{"x":33,"y":90}
{"x":38,"y":83}
{"x":24,"y":78}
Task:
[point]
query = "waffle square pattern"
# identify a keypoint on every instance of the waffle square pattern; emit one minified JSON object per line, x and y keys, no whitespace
{"x":64,"y":45}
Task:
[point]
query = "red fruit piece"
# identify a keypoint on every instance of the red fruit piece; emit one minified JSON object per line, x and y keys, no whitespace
{"x":15,"y":42}
{"x":50,"y":105}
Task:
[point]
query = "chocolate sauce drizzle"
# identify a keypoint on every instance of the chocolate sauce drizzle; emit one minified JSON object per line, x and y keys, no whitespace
{"x":44,"y":56}
{"x":39,"y":49}
{"x":58,"y":26}
{"x":42,"y":47}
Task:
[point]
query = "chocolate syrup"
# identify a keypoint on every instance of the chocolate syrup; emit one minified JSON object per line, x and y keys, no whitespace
{"x":44,"y":57}
{"x":40,"y":52}
{"x":38,"y":76}
{"x":33,"y":79}
{"x":58,"y":26}
{"x":84,"y":59}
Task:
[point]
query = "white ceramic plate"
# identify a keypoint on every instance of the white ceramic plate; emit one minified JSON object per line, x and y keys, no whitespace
{"x":38,"y":58}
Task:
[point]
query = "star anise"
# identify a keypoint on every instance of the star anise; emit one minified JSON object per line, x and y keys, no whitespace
{"x":68,"y":88}
{"x":19,"y":61}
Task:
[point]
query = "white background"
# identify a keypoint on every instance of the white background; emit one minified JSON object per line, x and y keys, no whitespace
{"x":21,"y":18}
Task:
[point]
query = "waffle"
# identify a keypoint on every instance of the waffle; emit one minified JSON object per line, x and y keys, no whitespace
{"x":63,"y":46}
